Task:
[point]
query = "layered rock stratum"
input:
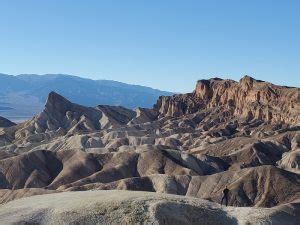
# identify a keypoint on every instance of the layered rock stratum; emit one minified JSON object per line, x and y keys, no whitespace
{"x":248,"y":98}
{"x":243,"y":135}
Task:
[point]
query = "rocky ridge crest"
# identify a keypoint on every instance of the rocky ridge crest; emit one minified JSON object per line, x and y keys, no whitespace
{"x":248,"y":99}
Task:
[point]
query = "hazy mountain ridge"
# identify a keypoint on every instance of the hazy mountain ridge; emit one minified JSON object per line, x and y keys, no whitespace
{"x":24,"y":95}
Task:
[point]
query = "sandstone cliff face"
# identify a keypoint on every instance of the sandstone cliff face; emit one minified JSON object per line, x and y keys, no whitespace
{"x":248,"y":98}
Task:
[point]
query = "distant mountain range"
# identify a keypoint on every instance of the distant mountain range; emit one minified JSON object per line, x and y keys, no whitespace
{"x":23,"y":96}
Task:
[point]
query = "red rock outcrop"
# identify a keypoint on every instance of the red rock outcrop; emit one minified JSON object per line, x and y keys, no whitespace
{"x":248,"y":98}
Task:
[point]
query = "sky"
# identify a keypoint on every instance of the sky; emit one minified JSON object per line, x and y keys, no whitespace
{"x":164,"y":44}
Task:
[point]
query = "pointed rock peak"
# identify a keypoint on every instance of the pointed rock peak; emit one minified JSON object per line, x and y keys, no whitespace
{"x":54,"y":97}
{"x":247,"y":81}
{"x":5,"y":122}
{"x":247,"y":78}
{"x":57,"y":102}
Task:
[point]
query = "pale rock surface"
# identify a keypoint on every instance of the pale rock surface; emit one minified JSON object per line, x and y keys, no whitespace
{"x":124,"y":207}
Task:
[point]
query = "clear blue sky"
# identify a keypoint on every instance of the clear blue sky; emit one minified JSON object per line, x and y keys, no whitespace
{"x":159,"y":43}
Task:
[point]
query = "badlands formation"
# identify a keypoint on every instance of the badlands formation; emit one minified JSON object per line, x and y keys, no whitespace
{"x":72,"y":164}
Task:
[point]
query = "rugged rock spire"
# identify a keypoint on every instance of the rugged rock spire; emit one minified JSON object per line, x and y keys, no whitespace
{"x":56,"y":102}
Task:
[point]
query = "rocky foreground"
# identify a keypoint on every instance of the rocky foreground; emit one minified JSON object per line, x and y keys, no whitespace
{"x":128,"y":207}
{"x":244,"y":135}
